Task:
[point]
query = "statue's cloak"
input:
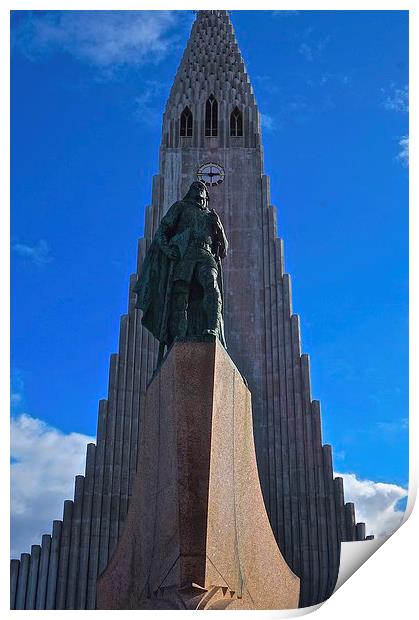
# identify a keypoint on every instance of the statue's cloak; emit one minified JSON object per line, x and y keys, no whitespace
{"x":153,"y":290}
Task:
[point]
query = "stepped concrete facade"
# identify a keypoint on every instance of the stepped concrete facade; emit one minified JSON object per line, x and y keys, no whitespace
{"x":211,"y":130}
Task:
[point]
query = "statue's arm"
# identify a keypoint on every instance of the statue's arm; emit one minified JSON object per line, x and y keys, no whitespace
{"x":221,"y":239}
{"x":223,"y":242}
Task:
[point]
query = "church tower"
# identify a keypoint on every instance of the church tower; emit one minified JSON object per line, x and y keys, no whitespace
{"x":211,"y":131}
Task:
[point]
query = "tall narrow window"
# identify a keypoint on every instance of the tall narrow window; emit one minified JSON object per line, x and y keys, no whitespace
{"x":186,"y":123}
{"x":211,"y":116}
{"x":236,"y":123}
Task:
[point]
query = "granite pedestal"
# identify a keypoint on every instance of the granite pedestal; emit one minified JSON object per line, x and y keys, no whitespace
{"x":197,"y":535}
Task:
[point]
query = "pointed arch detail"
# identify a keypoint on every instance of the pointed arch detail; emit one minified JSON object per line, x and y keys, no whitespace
{"x":186,"y":122}
{"x":211,"y":116}
{"x":236,"y":123}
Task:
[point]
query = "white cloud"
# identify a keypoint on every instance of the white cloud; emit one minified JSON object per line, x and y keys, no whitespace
{"x":394,"y":427}
{"x":148,"y":104}
{"x":396,"y":99}
{"x":306,"y":50}
{"x":44,"y":463}
{"x":313,"y":51}
{"x":104,"y":39}
{"x":15,"y":398}
{"x":330,"y":79}
{"x":16,"y":389}
{"x":38,"y":254}
{"x":403,"y":155}
{"x":375,"y":503}
{"x":267,"y":121}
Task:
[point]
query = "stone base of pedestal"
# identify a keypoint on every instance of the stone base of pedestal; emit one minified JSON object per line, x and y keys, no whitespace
{"x":197,"y":535}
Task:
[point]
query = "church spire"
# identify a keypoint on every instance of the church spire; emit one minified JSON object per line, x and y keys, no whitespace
{"x":211,"y":66}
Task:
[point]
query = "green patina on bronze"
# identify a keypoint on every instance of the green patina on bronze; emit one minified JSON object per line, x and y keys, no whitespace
{"x":180,"y":286}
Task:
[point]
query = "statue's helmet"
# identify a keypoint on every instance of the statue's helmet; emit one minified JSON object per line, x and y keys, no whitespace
{"x":195,"y":191}
{"x":199,"y":185}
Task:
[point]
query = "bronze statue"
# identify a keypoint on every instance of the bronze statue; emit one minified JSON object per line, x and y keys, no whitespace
{"x":180,"y":286}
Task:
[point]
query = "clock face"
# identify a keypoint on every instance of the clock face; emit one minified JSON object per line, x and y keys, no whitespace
{"x":211,"y":174}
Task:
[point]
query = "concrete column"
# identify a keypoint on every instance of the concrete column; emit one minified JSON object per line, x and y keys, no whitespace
{"x":140,"y":255}
{"x":284,"y":535}
{"x":340,"y":508}
{"x":132,"y":297}
{"x":279,"y":392}
{"x":332,"y":529}
{"x":264,"y":431}
{"x":96,"y":506}
{"x":22,"y":582}
{"x":108,"y":464}
{"x":143,"y":371}
{"x":43,"y":572}
{"x":119,"y":435}
{"x":33,"y":577}
{"x":350,"y":521}
{"x":301,"y":457}
{"x":73,"y":561}
{"x":294,"y":485}
{"x":312,"y":587}
{"x":275,"y":456}
{"x":129,"y":412}
{"x":81,"y":587}
{"x":148,"y":222}
{"x":156,"y":191}
{"x":146,"y":367}
{"x":287,"y":294}
{"x":14,"y":575}
{"x":360,"y":531}
{"x":64,"y":555}
{"x":320,"y":503}
{"x":53,"y":564}
{"x":279,"y":247}
{"x":155,"y":221}
{"x":136,"y":402}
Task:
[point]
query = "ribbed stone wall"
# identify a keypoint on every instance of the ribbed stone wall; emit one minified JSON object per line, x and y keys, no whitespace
{"x":305,"y":503}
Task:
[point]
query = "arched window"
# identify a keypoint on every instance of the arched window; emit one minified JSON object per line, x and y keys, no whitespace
{"x":211,"y":116}
{"x":186,"y":123}
{"x":236,"y":123}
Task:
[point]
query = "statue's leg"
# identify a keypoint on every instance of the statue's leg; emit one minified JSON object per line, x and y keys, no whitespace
{"x":178,"y":321}
{"x":207,"y":277}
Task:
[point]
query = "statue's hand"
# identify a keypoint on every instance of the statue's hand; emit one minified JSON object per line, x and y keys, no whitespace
{"x":222,"y":252}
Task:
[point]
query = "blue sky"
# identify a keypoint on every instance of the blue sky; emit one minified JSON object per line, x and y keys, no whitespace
{"x":87,"y":95}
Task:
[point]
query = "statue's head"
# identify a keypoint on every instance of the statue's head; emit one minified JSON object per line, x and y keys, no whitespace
{"x":198,"y":193}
